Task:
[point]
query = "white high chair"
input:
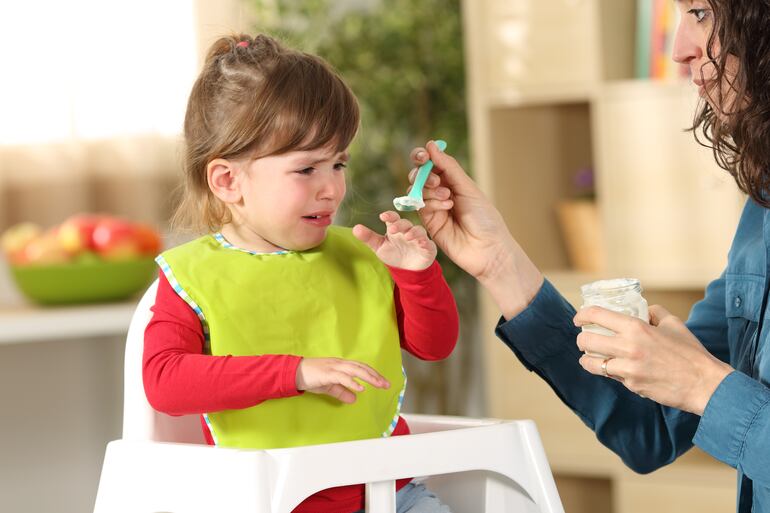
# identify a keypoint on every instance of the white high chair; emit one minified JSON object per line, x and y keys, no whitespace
{"x":162,"y":463}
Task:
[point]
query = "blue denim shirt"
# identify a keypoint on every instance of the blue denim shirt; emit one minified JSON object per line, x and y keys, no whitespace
{"x":735,"y":427}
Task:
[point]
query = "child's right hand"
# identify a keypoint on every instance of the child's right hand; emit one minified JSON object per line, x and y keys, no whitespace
{"x":336,"y":377}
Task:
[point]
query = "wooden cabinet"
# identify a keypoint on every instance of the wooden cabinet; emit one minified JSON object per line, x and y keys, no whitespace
{"x":551,"y":90}
{"x":669,"y":212}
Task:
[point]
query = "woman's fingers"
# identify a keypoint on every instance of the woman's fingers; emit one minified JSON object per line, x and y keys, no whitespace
{"x":432,"y":205}
{"x":613,"y":368}
{"x":599,"y":344}
{"x":419,"y":156}
{"x":439,"y":193}
{"x":432,"y":181}
{"x":658,"y":315}
{"x":614,"y":321}
{"x":445,"y":168}
{"x":448,"y":169}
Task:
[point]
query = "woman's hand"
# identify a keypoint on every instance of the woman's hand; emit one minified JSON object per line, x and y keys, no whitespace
{"x":662,"y":361}
{"x":336,"y":377}
{"x":404,"y":245}
{"x":471,"y":231}
{"x":459,"y":218}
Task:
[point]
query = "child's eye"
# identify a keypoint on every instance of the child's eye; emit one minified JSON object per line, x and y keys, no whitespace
{"x":340,"y":165}
{"x":306,"y":171}
{"x":700,"y":14}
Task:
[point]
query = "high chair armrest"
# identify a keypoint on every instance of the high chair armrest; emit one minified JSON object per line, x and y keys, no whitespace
{"x":203,"y":478}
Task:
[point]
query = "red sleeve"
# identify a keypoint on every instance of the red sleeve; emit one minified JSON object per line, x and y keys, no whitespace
{"x":426,"y":311}
{"x":179,"y":379}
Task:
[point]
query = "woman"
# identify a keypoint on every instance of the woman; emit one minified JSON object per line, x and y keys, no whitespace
{"x":673,"y":384}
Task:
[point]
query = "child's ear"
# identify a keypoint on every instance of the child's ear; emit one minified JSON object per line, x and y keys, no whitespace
{"x":222,"y":176}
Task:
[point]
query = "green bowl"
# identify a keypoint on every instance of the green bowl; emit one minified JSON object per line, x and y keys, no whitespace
{"x":84,"y":282}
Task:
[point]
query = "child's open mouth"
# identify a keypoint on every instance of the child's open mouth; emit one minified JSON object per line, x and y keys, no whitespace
{"x":318,"y":220}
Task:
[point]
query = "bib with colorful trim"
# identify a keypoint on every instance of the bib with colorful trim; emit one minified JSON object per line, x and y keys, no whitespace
{"x":335,"y":300}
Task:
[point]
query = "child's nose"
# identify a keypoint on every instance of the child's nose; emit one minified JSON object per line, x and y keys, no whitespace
{"x":331,"y":188}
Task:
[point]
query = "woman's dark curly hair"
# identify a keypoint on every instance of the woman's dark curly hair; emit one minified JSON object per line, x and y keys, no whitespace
{"x":739,"y":134}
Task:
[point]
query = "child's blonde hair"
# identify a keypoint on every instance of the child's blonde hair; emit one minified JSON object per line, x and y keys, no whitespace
{"x":254,"y":98}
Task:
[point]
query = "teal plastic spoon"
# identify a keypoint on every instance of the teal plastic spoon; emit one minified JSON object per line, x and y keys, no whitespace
{"x":413,"y":201}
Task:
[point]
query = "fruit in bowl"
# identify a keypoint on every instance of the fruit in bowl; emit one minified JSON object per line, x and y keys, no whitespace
{"x":86,"y":258}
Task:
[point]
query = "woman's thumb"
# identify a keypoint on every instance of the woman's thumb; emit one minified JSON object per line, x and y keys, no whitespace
{"x":450,"y":171}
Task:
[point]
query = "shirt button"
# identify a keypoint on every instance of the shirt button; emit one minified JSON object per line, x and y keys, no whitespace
{"x":737,"y":302}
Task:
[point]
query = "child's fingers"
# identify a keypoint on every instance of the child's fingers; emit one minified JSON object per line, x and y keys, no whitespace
{"x":347,"y":381}
{"x":368,"y":374}
{"x":400,"y":226}
{"x":416,"y":233}
{"x":369,"y":237}
{"x":341,"y":393}
{"x":389,"y":216}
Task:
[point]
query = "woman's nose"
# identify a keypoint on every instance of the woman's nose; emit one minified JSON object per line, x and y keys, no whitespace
{"x":686,"y":47}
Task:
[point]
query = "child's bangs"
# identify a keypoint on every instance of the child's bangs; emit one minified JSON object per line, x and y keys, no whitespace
{"x":314,"y":109}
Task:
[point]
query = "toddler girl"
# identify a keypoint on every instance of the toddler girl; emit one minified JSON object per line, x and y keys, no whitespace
{"x":278,"y":328}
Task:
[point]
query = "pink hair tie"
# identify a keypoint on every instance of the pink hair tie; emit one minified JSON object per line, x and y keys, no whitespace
{"x":243,"y":44}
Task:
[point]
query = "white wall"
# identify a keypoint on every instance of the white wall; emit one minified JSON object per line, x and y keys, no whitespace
{"x":61,"y":403}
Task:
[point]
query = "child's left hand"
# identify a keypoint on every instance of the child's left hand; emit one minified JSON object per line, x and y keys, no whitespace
{"x":404,"y":245}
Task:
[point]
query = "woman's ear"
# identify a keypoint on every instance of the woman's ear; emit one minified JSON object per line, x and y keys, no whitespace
{"x":222,"y":176}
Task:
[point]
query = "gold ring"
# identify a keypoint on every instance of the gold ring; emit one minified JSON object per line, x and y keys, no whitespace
{"x":604,"y":367}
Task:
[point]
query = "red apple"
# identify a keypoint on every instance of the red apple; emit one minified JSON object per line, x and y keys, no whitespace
{"x":115,"y":239}
{"x":149,"y":239}
{"x":76,"y":232}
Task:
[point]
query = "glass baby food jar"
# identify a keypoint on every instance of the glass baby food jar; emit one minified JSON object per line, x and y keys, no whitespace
{"x":623,"y":295}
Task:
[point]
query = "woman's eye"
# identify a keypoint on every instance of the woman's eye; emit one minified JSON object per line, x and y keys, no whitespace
{"x":306,"y":171}
{"x":340,"y":165}
{"x":700,"y":14}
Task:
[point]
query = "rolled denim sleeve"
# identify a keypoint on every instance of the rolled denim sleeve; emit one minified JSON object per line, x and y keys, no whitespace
{"x":643,"y":433}
{"x":735,"y":427}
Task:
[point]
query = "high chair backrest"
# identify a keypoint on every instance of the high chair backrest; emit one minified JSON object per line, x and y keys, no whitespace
{"x":140,"y":420}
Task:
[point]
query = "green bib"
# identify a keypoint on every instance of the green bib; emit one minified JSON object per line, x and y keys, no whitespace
{"x":335,"y":300}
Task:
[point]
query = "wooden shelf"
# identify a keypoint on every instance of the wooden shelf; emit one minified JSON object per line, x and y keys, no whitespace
{"x":578,"y":93}
{"x":551,"y":91}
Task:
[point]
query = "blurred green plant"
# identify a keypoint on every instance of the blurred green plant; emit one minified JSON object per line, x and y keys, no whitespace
{"x":404,"y":61}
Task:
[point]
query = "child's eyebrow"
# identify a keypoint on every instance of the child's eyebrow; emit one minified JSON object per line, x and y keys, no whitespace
{"x":343,"y":156}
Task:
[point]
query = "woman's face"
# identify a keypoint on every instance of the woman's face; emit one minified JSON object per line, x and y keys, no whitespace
{"x":691,"y":49}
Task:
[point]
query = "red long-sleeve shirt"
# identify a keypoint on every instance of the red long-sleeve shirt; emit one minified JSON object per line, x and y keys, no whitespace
{"x":180,"y":380}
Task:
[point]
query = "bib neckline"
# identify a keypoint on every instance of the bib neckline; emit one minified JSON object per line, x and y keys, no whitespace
{"x":227,"y":245}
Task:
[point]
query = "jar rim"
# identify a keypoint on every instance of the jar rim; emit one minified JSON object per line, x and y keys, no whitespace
{"x":611,"y":286}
